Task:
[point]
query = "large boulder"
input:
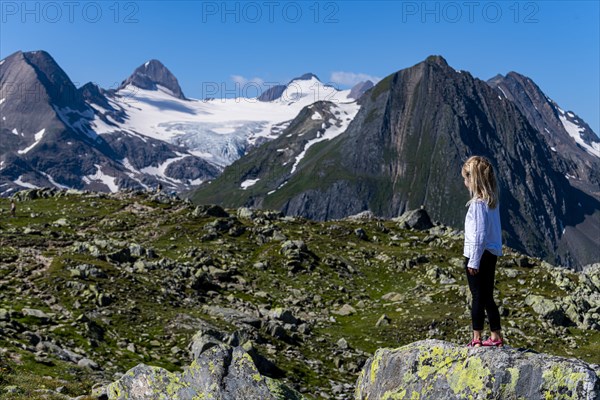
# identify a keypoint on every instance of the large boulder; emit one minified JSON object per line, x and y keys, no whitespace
{"x":222,"y":368}
{"x":415,"y":219}
{"x":547,"y":309}
{"x":221,"y":372}
{"x":435,"y":369}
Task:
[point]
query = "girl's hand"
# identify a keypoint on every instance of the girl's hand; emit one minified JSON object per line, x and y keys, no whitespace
{"x":473,"y":271}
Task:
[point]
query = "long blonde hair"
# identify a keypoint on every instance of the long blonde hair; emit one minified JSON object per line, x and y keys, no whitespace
{"x":481,"y":180}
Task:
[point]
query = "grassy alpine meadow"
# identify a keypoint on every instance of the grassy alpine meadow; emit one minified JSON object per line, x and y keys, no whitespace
{"x":94,"y":284}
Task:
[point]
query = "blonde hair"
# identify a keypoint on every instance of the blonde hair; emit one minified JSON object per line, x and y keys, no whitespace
{"x":481,"y":180}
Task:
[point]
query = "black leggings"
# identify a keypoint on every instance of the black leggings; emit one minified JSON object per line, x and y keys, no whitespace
{"x":482,"y":290}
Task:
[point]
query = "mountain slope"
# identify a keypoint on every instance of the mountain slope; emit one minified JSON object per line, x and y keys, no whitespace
{"x":405,"y":148}
{"x":42,"y":112}
{"x":572,"y":139}
{"x":565,"y":132}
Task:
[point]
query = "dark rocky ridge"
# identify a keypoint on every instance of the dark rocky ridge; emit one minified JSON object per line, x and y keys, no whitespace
{"x":582,"y":168}
{"x":93,"y":94}
{"x":360,"y":88}
{"x":544,"y":115}
{"x":272,"y":93}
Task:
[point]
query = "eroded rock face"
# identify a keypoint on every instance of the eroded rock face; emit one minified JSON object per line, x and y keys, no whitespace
{"x":435,"y":369}
{"x":221,"y":372}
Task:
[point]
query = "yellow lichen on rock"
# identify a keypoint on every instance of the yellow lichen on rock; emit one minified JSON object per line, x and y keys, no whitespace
{"x":514,"y":378}
{"x":394,"y":395}
{"x":375,"y":364}
{"x":559,"y":383}
{"x":468,"y":376}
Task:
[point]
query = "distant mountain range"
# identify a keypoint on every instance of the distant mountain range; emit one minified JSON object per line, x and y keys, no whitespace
{"x":143,"y":133}
{"x":309,"y":149}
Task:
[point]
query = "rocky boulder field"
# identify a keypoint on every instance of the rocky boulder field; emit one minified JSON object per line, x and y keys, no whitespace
{"x":141,"y":295}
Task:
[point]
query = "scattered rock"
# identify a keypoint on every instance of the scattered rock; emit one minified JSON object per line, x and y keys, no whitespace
{"x":361,"y":234}
{"x":363,"y":216}
{"x":346,"y":309}
{"x":284,"y":315}
{"x":547,"y":309}
{"x":41,"y":316}
{"x":245,"y":213}
{"x":4,"y":314}
{"x":415,"y":219}
{"x":343,"y":344}
{"x":87,"y":363}
{"x":384,"y":320}
{"x":211,"y":210}
{"x":392,"y":296}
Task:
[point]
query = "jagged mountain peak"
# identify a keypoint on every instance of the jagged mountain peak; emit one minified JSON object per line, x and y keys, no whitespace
{"x":436,"y":59}
{"x":91,"y":88}
{"x":495,"y":79}
{"x":38,"y":56}
{"x":360,"y":88}
{"x":33,"y":69}
{"x":150,"y":75}
{"x":275,"y":92}
{"x":305,"y":77}
{"x":563,"y":128}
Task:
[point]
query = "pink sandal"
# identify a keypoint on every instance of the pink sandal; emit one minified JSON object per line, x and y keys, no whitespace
{"x":493,"y":343}
{"x":474,"y":342}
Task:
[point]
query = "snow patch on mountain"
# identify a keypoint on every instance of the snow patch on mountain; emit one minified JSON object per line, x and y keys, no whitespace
{"x":575,"y":132}
{"x":100,"y":176}
{"x":347,"y":113}
{"x":52,"y":181}
{"x":160,"y":170}
{"x":19,"y":181}
{"x":38,"y":136}
{"x":77,"y":120}
{"x":248,"y":182}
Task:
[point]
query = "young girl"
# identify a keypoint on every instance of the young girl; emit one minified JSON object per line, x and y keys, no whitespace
{"x":483,"y":246}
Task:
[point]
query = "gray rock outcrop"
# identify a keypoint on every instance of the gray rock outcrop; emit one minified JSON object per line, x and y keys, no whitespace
{"x":218,"y":371}
{"x":435,"y":369}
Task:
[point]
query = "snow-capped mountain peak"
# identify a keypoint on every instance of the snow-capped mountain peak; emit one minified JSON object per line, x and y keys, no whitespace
{"x":153,"y":75}
{"x":301,"y":86}
{"x":306,"y":77}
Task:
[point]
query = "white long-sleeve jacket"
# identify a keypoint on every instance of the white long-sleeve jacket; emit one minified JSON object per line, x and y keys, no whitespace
{"x":482,"y":232}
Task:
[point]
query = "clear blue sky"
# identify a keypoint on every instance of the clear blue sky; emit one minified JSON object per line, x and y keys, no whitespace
{"x":555,"y":43}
